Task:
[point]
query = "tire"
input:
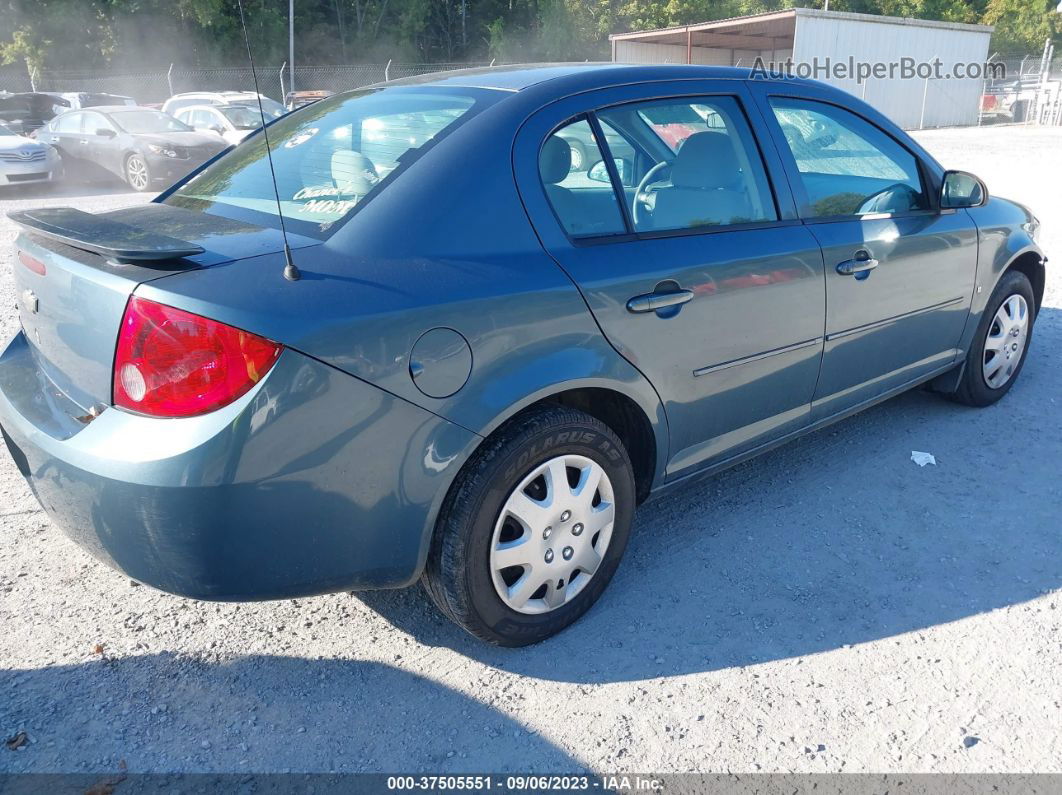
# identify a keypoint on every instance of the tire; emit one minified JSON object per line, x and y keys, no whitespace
{"x":137,"y":173}
{"x":462,"y":575}
{"x":578,"y":156}
{"x":60,"y":175}
{"x":976,"y":387}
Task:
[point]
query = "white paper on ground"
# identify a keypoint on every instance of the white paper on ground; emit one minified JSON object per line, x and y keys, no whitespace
{"x":923,"y":458}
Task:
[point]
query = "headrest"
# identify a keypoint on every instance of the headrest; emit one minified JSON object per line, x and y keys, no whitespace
{"x":353,"y":173}
{"x":555,"y":162}
{"x":706,"y":160}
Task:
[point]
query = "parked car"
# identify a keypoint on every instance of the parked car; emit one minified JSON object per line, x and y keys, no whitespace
{"x":27,"y":111}
{"x":580,"y":139}
{"x":299,"y":99}
{"x":272,"y":108}
{"x":142,"y":146}
{"x":23,"y":160}
{"x":1011,"y":99}
{"x":484,"y":367}
{"x":231,"y":122}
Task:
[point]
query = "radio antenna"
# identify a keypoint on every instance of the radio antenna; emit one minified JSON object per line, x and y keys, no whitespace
{"x":291,"y":273}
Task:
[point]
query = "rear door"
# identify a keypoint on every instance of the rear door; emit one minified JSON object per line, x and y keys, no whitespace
{"x":697,"y":271}
{"x":64,"y":133}
{"x":899,"y":271}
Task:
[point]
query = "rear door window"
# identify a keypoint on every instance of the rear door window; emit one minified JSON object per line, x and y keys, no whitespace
{"x":581,"y":196}
{"x":69,"y":123}
{"x":702,"y":167}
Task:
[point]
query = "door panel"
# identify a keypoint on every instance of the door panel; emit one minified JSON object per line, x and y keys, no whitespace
{"x":65,"y":135}
{"x":906,"y":317}
{"x":737,"y":364}
{"x":734,"y":342}
{"x":899,"y":272}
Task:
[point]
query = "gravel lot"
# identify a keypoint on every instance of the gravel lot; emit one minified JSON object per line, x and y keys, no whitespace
{"x":830,"y":606}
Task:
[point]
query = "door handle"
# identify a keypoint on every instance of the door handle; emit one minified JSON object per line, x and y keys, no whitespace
{"x":650,"y":302}
{"x":861,"y":263}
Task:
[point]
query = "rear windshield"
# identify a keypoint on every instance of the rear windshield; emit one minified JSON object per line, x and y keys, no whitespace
{"x":330,"y":156}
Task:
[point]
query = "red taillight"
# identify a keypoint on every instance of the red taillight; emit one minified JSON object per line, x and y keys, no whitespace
{"x":32,"y":263}
{"x":171,"y":363}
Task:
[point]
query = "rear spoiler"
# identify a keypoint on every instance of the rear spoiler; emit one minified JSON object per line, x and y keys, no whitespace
{"x":114,"y":240}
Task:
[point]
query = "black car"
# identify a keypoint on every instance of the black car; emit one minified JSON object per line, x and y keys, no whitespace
{"x":27,"y":111}
{"x":143,"y":146}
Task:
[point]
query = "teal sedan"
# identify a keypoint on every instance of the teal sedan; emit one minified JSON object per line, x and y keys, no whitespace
{"x":437,"y":346}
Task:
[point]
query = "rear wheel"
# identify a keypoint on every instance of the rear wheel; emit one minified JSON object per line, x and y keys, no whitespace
{"x":1001,"y":343}
{"x":137,"y":173}
{"x":534,"y":529}
{"x":578,"y":156}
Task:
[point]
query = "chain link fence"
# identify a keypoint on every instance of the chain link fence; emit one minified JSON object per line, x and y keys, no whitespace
{"x":1030,"y":93}
{"x":156,"y":86}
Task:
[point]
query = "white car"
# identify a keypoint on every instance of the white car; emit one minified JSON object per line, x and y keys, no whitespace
{"x":231,"y":122}
{"x":272,"y":108}
{"x":23,"y":160}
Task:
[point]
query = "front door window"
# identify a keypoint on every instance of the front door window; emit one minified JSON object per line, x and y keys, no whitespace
{"x":847,"y":166}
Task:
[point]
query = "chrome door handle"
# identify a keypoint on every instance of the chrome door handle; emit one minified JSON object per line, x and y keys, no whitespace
{"x":650,"y":302}
{"x":861,"y":263}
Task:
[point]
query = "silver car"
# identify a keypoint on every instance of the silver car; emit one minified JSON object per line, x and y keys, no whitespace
{"x":24,"y":160}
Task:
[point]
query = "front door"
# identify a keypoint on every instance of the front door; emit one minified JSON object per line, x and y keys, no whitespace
{"x":695,"y":268}
{"x":899,"y":272}
{"x":101,"y":148}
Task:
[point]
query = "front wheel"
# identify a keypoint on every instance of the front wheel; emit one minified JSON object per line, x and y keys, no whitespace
{"x":137,"y":173}
{"x":534,"y":529}
{"x":1001,"y":343}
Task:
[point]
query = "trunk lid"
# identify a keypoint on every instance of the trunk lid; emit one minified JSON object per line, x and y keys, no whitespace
{"x":71,"y":313}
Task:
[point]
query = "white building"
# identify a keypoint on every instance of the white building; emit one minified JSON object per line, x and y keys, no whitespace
{"x":840,"y":41}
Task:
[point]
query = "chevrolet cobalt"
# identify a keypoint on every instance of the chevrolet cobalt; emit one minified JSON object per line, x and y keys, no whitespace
{"x":441,"y":348}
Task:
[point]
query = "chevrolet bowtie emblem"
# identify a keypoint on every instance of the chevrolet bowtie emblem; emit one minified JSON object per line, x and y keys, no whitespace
{"x":30,"y":302}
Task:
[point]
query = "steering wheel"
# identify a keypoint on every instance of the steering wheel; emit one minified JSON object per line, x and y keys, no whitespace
{"x":896,"y":198}
{"x":643,"y":194}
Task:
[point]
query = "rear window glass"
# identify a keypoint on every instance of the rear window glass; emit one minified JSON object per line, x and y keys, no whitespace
{"x":330,"y":156}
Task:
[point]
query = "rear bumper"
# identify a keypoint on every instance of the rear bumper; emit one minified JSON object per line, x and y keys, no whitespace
{"x":311,"y":483}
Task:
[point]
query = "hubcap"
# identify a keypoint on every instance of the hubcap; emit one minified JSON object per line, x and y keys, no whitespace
{"x":539,"y":561}
{"x":577,"y":159}
{"x":138,"y":176}
{"x":1005,"y":342}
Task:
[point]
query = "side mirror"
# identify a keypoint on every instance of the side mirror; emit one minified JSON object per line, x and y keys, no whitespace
{"x":599,"y":172}
{"x":962,"y":189}
{"x":106,"y":133}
